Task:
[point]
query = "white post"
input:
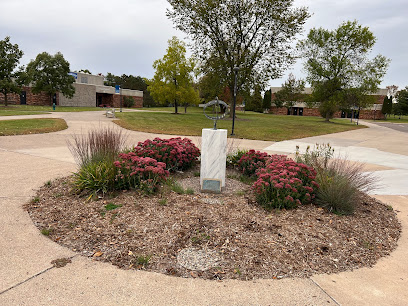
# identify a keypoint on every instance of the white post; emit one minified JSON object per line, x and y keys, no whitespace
{"x":213,"y":155}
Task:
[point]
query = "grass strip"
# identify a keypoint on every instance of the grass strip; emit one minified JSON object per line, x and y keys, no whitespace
{"x":248,"y":125}
{"x":16,"y":110}
{"x":31,"y":126}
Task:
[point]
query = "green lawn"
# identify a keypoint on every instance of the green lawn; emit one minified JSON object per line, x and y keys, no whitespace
{"x":190,"y":110}
{"x":31,"y":126}
{"x":18,"y":110}
{"x":393,"y":120}
{"x":248,"y":125}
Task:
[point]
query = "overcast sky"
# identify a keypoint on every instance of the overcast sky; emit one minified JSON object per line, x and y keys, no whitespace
{"x":126,"y":36}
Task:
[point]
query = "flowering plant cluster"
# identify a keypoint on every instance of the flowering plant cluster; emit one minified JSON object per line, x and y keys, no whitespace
{"x":176,"y":153}
{"x":253,"y":160}
{"x":139,"y":172}
{"x":285,"y":184}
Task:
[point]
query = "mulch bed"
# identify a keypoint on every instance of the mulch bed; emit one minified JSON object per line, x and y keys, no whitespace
{"x":214,"y":236}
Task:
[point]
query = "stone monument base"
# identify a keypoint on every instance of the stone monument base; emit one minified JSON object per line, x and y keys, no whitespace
{"x":213,"y":158}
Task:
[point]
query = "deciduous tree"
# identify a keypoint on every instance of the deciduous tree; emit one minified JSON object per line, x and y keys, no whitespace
{"x":173,"y":78}
{"x":401,"y":107}
{"x":267,"y":100}
{"x":251,"y":34}
{"x":49,"y":73}
{"x":210,"y":86}
{"x":387,"y":106}
{"x":291,"y":92}
{"x":337,"y":63}
{"x":257,"y":100}
{"x":10,"y":56}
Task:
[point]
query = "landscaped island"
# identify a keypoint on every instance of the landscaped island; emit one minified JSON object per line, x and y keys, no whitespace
{"x":142,"y":208}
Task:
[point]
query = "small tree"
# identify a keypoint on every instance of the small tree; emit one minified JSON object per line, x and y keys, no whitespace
{"x":49,"y":73}
{"x":257,"y":100}
{"x":355,"y":99}
{"x":173,"y":79}
{"x":9,"y":58}
{"x":387,"y":106}
{"x":401,"y":107}
{"x":128,"y":102}
{"x":291,"y":92}
{"x":267,"y":100}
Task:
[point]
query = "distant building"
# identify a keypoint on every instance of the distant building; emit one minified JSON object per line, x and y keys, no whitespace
{"x":301,"y":108}
{"x":89,"y":91}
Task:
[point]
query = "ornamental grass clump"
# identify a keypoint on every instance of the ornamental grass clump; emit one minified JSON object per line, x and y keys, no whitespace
{"x":341,"y":181}
{"x":136,"y":172}
{"x":178,"y":154}
{"x":96,"y":145}
{"x":96,"y":176}
{"x":95,"y":153}
{"x":285,"y":184}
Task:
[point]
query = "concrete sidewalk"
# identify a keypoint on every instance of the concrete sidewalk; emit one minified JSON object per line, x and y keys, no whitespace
{"x":28,"y":278}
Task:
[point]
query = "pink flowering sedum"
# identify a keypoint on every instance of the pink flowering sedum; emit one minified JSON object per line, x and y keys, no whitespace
{"x":176,"y":153}
{"x":283,"y":183}
{"x":136,"y":172}
{"x":253,"y":160}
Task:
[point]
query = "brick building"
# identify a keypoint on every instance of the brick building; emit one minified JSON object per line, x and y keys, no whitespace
{"x":301,"y":108}
{"x":89,"y":91}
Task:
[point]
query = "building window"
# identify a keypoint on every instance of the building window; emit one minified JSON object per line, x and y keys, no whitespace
{"x":84,"y":80}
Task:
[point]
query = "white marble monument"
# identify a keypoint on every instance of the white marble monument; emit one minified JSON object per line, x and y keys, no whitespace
{"x":213,"y":155}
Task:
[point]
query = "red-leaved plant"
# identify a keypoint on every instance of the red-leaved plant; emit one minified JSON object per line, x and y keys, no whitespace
{"x":136,"y":172}
{"x":176,"y":153}
{"x":285,"y":184}
{"x":253,"y":160}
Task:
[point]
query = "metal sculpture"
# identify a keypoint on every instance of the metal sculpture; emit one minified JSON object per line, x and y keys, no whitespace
{"x":217,"y":104}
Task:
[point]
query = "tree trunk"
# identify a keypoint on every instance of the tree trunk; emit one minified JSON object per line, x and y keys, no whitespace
{"x":5,"y":99}
{"x":175,"y":106}
{"x":50,"y":99}
{"x":231,"y":88}
{"x":185,"y":108}
{"x":327,"y":119}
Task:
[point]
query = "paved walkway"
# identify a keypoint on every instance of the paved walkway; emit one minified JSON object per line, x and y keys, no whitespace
{"x":28,"y":278}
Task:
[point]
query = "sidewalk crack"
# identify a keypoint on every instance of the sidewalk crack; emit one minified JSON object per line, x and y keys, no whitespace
{"x":332,"y":298}
{"x":32,"y":277}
